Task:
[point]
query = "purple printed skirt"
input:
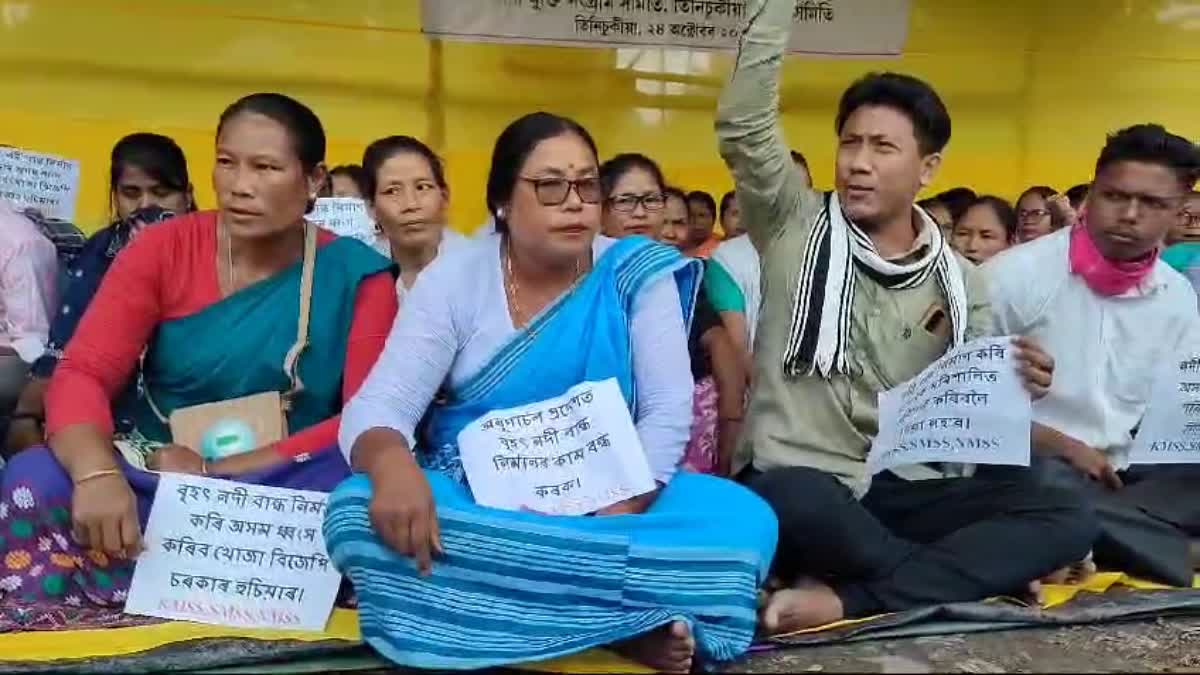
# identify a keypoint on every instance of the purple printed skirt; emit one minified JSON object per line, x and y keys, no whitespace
{"x":701,"y":453}
{"x":39,"y":559}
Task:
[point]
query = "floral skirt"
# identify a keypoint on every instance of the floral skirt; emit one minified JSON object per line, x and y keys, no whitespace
{"x":40,"y":560}
{"x":701,"y":453}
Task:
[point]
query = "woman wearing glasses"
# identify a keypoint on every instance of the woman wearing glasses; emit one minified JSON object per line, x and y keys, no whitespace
{"x":633,"y":196}
{"x":635,"y":204}
{"x":450,"y":569}
{"x":1188,"y":230}
{"x":1183,"y":250}
{"x":1034,"y":216}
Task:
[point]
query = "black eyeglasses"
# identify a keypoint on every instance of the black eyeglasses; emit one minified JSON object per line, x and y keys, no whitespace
{"x":1034,"y":214}
{"x":651,"y":201}
{"x":554,"y":191}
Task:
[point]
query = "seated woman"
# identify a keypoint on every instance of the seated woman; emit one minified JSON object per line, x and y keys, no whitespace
{"x":212,"y":299}
{"x":408,"y":196}
{"x":940,"y":213}
{"x":348,"y":181}
{"x":149,"y":183}
{"x":1035,"y":217}
{"x":445,"y":582}
{"x":675,"y":218}
{"x":988,"y":227}
{"x":733,"y":277}
{"x":635,"y":204}
{"x":1183,"y":244}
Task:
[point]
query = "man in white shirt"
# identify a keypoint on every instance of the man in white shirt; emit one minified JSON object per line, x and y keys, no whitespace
{"x":1099,"y":300}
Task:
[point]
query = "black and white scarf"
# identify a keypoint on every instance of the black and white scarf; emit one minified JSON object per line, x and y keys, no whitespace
{"x":820,"y":328}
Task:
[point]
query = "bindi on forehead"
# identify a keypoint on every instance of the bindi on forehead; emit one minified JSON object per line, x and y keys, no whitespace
{"x":569,"y":169}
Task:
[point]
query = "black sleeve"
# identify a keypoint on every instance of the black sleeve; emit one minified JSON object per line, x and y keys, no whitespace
{"x":704,"y":319}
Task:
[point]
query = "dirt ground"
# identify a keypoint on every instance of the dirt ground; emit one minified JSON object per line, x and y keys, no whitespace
{"x":1164,"y":646}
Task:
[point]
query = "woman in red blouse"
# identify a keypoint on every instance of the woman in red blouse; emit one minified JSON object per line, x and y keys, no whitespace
{"x":209,"y":306}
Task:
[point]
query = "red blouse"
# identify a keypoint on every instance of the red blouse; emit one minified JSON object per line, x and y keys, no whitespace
{"x":169,"y":272}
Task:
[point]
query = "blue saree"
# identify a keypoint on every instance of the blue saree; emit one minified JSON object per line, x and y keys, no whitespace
{"x":516,"y":586}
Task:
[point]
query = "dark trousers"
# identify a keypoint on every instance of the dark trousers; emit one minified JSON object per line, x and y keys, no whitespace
{"x":910,"y":544}
{"x":1145,"y":526}
{"x":13,"y":373}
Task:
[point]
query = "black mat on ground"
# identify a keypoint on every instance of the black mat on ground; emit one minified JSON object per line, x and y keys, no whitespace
{"x":973,"y":617}
{"x":196,"y":655}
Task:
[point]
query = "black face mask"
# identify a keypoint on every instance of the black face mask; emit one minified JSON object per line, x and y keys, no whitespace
{"x":123,"y":229}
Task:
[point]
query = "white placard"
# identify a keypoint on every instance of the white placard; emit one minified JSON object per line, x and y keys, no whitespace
{"x":233,"y":554}
{"x":345,"y":217}
{"x":851,"y":28}
{"x":1170,"y":430}
{"x":47,"y":183}
{"x":569,"y":455}
{"x":969,"y":407}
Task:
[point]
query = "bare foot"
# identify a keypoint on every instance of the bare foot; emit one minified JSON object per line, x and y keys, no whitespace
{"x":668,"y":649}
{"x":1082,"y":570}
{"x":1034,"y":594}
{"x":808,"y":605}
{"x":1072,"y":574}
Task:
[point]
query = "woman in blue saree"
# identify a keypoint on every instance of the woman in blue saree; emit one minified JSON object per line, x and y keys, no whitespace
{"x":208,"y":305}
{"x":517,"y":318}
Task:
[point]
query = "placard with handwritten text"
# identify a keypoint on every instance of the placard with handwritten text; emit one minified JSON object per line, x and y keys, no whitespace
{"x":345,"y":217}
{"x":1170,"y":430}
{"x":233,"y":554}
{"x":47,"y":183}
{"x":967,"y":407}
{"x":569,"y":455}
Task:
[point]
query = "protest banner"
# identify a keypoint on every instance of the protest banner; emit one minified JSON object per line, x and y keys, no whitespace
{"x":862,"y":28}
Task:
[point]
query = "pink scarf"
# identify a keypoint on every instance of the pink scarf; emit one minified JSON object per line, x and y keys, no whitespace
{"x":1104,"y":276}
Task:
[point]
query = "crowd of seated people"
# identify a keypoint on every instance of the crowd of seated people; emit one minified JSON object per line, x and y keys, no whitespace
{"x":754,"y":411}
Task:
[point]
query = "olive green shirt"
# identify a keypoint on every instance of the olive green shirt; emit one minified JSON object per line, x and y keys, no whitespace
{"x":826,"y":424}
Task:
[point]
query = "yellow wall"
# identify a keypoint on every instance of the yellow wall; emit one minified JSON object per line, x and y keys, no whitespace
{"x":1032,"y":87}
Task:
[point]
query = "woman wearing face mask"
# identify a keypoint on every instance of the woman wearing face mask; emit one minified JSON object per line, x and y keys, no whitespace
{"x":634,"y":204}
{"x":149,"y":183}
{"x":408,"y":197}
{"x":210,"y":305}
{"x":549,"y":307}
